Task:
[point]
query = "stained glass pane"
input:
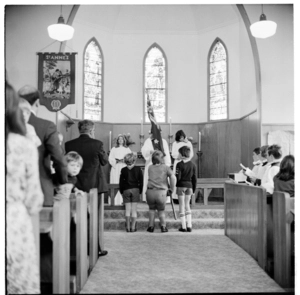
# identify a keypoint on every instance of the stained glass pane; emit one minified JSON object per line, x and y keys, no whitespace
{"x":92,"y":82}
{"x":218,"y":82}
{"x":155,"y":83}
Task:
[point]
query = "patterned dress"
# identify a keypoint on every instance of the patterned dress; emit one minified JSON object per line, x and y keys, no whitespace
{"x":24,"y":197}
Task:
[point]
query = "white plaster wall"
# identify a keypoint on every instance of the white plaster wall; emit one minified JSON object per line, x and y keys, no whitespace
{"x":276,"y":56}
{"x":186,"y":51}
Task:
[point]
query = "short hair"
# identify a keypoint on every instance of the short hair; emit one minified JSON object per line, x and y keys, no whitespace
{"x":14,"y":120}
{"x":264,"y":150}
{"x":130,"y":158}
{"x":85,"y":126}
{"x":257,"y":150}
{"x":178,"y":134}
{"x":157,"y":157}
{"x":287,"y":168}
{"x":185,"y":151}
{"x":275,"y":151}
{"x":30,"y":93}
{"x":74,"y":157}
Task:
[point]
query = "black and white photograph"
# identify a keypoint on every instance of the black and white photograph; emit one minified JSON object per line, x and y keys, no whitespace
{"x":150,"y":147}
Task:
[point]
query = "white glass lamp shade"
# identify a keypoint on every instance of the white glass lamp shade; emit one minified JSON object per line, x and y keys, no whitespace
{"x":60,"y":31}
{"x":263,"y":28}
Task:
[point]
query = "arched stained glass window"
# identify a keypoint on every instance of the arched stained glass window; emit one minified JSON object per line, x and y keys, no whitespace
{"x":155,"y":83}
{"x":93,"y":64}
{"x":218,"y":95}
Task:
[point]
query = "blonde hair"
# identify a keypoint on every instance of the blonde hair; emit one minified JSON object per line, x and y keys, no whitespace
{"x":130,"y":158}
{"x":74,"y":157}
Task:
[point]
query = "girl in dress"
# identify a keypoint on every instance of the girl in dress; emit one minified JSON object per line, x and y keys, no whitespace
{"x":24,"y":198}
{"x":116,"y":160}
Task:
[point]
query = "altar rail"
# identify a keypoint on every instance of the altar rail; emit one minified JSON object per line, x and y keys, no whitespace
{"x":56,"y":220}
{"x":261,"y":225}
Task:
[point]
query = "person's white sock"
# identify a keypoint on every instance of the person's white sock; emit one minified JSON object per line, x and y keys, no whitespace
{"x":182,"y":218}
{"x":189,"y":218}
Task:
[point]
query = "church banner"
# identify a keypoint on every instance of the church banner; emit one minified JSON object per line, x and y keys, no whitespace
{"x":56,"y":79}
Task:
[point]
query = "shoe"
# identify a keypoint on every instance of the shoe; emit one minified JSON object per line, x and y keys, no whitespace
{"x":135,"y":228}
{"x":164,"y":229}
{"x":150,"y":229}
{"x":102,"y":253}
{"x":189,"y":229}
{"x":182,"y":229}
{"x":128,"y":230}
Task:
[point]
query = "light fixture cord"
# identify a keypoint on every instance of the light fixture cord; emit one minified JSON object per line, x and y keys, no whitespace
{"x":48,"y":45}
{"x":262,"y":8}
{"x":61,"y":10}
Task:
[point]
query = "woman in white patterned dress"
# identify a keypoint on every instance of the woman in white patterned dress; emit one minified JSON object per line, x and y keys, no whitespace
{"x":116,"y":160}
{"x":24,"y":197}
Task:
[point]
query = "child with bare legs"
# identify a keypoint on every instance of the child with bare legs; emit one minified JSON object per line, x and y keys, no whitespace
{"x":186,"y":186}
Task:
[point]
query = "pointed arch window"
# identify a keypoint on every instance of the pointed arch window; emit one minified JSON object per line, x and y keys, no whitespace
{"x":218,"y":86}
{"x":155,"y":73}
{"x":93,"y":82}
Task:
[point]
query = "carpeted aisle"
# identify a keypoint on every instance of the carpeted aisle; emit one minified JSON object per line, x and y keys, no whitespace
{"x":203,"y":261}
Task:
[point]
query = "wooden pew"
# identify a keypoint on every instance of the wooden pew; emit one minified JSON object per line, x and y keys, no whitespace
{"x":93,"y":210}
{"x":245,"y":210}
{"x":283,"y":216}
{"x":56,"y":219}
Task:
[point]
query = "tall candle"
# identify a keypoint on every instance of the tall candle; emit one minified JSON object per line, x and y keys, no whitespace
{"x":199,"y":141}
{"x":109,"y":140}
{"x":142,"y":128}
{"x":170,"y":126}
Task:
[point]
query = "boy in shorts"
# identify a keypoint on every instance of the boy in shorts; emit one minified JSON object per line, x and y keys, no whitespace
{"x":186,"y":186}
{"x":131,"y":186}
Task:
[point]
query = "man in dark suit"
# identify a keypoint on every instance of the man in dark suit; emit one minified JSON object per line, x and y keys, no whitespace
{"x":49,"y":148}
{"x":94,"y":157}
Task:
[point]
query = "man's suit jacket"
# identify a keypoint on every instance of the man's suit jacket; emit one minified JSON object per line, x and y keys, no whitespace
{"x":94,"y":157}
{"x":49,"y":150}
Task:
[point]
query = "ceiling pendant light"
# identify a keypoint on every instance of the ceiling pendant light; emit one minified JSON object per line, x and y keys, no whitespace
{"x":263,"y":28}
{"x":60,"y":31}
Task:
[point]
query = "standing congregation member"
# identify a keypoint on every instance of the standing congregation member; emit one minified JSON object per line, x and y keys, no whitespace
{"x":284,"y":181}
{"x":256,"y":160}
{"x":94,"y":157}
{"x":116,"y":160}
{"x":186,"y":186}
{"x":147,"y":151}
{"x":49,"y":149}
{"x":24,"y":198}
{"x":157,"y":186}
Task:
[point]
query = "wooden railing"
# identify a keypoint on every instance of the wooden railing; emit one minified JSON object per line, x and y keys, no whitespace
{"x":112,"y":191}
{"x":56,"y":220}
{"x":261,"y":224}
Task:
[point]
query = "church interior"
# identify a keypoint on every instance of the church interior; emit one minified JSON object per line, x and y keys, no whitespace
{"x":250,"y":106}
